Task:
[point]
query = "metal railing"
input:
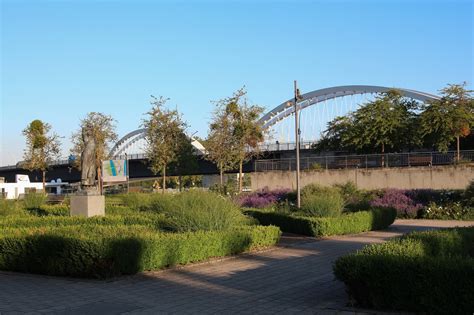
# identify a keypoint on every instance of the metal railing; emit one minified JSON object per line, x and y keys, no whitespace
{"x":367,"y":161}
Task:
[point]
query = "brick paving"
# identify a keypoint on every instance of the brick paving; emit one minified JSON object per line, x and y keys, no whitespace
{"x":294,"y":277}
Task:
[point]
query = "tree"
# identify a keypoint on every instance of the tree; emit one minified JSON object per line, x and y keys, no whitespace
{"x":42,"y":147}
{"x":103,"y":131}
{"x":381,"y":123}
{"x":219,"y":143}
{"x":186,"y":161}
{"x":247,"y":132}
{"x":163,"y":135}
{"x":386,"y":122}
{"x":449,"y":118}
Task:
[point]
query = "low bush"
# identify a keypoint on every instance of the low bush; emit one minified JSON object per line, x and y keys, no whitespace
{"x":356,"y":222}
{"x":34,"y":200}
{"x":10,"y":207}
{"x":430,"y":272}
{"x":150,"y":220}
{"x":105,"y":251}
{"x":46,"y":210}
{"x":199,"y":210}
{"x":468,"y":195}
{"x":452,"y":211}
{"x":319,"y":201}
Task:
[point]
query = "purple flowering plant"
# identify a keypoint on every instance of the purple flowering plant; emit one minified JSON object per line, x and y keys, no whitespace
{"x":400,"y":200}
{"x":262,"y":198}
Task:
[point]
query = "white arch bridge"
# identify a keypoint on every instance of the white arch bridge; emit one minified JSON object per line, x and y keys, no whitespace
{"x":316,"y":109}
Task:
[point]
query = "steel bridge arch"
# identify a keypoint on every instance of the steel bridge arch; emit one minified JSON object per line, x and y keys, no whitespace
{"x":130,"y":138}
{"x":286,"y":109}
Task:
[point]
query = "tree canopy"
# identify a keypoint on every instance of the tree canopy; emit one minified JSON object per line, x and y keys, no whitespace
{"x":42,"y":147}
{"x":164,"y":136}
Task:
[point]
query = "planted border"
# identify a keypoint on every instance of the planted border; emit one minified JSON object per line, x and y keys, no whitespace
{"x":375,"y":219}
{"x":105,"y":251}
{"x":430,"y":272}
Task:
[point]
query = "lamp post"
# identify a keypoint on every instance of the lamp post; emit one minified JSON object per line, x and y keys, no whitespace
{"x":297,"y":136}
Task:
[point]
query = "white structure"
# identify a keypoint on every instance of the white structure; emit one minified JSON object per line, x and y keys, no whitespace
{"x":21,"y":186}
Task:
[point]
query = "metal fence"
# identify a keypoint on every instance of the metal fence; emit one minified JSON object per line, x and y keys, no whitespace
{"x":366,"y":161}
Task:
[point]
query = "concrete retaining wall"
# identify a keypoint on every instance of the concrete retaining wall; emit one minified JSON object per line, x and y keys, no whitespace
{"x":436,"y":177}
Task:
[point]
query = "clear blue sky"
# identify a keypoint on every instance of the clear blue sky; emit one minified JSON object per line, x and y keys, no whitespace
{"x":62,"y":59}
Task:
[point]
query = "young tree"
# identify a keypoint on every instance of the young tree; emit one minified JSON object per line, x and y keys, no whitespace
{"x":247,"y":131}
{"x":219,"y":143}
{"x":42,"y":147}
{"x":186,"y":161}
{"x":449,"y":118}
{"x":164,"y":129}
{"x":103,"y":132}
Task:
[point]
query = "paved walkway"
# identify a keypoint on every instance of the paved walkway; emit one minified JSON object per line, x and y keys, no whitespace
{"x":295,"y":277}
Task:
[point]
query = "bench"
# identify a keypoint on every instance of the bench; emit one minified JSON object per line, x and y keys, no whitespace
{"x":418,"y":160}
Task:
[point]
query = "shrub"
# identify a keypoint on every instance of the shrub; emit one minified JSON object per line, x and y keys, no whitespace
{"x":397,"y":199}
{"x":136,"y":201}
{"x":321,"y":201}
{"x":430,"y":272}
{"x":105,"y":251}
{"x":356,"y":222}
{"x":452,"y":211}
{"x":199,"y":210}
{"x":468,"y":195}
{"x":9,"y":207}
{"x":55,"y":210}
{"x":262,"y":198}
{"x":34,"y":200}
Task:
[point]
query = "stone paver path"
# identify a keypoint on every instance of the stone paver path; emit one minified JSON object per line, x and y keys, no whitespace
{"x":295,"y":277}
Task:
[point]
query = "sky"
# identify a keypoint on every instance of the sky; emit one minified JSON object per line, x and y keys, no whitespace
{"x":63,"y":59}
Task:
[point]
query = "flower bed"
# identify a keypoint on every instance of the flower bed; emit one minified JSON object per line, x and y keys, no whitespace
{"x":430,"y":272}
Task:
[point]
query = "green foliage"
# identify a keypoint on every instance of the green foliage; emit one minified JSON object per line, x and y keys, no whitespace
{"x":384,"y":123}
{"x":450,"y":211}
{"x":108,"y":250}
{"x":468,"y":195}
{"x":34,"y":201}
{"x":199,"y":210}
{"x":164,"y":137}
{"x":451,"y":117}
{"x":319,"y":201}
{"x":10,"y":207}
{"x":430,"y":272}
{"x":41,"y":147}
{"x":356,"y":222}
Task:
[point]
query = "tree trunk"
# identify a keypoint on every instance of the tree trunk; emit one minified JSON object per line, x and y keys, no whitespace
{"x":458,"y":149}
{"x":221,"y":173}
{"x":240,"y":176}
{"x":163,"y":186}
{"x":44,"y":182}
{"x":180,"y":179}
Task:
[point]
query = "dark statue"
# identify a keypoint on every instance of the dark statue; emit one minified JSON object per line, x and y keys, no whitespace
{"x":88,"y":167}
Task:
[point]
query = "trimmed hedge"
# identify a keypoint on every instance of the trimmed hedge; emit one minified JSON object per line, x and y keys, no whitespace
{"x":103,"y":251}
{"x":150,"y":220}
{"x":430,"y":272}
{"x":375,"y":219}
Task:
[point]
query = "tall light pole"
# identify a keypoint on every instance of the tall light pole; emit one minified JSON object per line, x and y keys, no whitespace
{"x":297,"y":136}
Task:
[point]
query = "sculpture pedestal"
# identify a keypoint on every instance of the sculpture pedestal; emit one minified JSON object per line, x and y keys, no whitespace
{"x":87,"y":205}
